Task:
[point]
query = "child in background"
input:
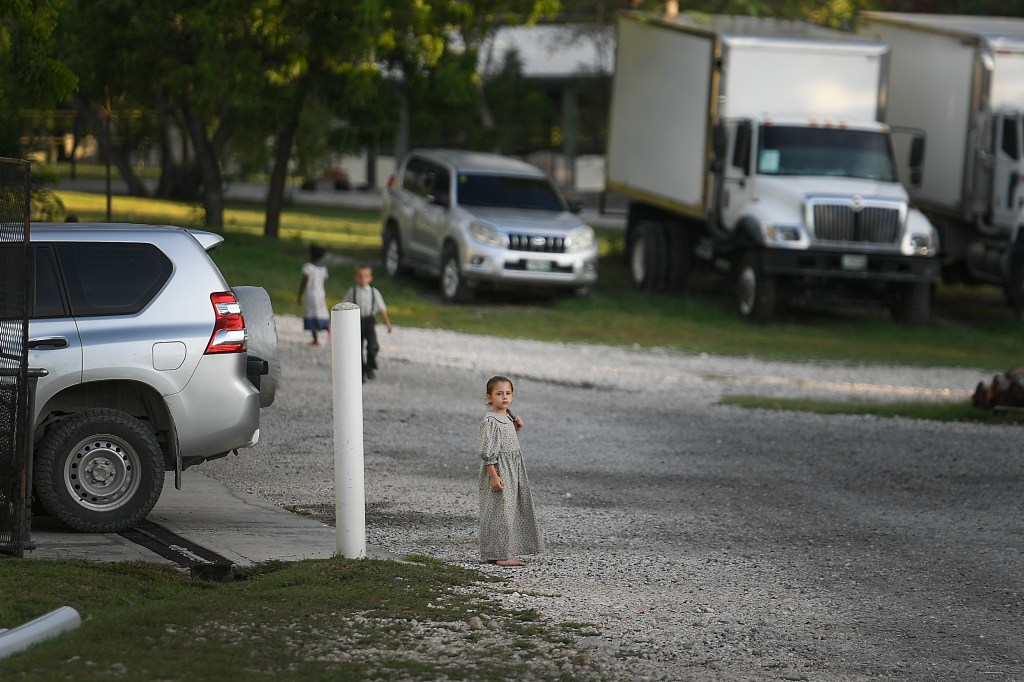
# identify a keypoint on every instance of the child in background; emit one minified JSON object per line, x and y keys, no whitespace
{"x":508,"y":524}
{"x":313,"y":295}
{"x":370,"y":303}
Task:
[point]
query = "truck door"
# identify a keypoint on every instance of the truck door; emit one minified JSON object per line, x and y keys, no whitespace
{"x":738,"y":184}
{"x":1006,"y":159}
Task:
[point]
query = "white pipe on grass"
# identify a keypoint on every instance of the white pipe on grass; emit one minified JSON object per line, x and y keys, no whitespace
{"x":44,"y":627}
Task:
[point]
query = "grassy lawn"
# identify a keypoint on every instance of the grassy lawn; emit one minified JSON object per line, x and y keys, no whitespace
{"x":332,"y":619}
{"x":935,"y":411}
{"x":971,"y":326}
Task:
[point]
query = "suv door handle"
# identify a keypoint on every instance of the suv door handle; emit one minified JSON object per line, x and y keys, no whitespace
{"x":48,"y":343}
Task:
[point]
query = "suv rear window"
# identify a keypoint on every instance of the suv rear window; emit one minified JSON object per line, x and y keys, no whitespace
{"x":112,"y":279}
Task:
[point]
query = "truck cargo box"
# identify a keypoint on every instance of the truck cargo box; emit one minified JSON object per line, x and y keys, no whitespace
{"x":683,"y":69}
{"x":947,"y":71}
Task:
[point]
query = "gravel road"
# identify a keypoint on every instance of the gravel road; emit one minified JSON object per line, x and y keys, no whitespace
{"x":704,"y":542}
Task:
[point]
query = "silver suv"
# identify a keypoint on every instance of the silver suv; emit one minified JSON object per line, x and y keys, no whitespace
{"x":151,"y":366}
{"x":475,"y":219}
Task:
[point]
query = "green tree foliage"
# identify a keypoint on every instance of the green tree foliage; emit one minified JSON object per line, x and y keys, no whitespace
{"x":432,"y":50}
{"x":309,"y":48}
{"x":29,"y":75}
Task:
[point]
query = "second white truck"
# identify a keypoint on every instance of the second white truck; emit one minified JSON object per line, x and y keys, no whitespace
{"x":756,"y":146}
{"x":960,"y":80}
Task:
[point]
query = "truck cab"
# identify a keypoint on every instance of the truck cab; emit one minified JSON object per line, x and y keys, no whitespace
{"x":999,"y":167}
{"x":806,"y":184}
{"x":817,"y":199}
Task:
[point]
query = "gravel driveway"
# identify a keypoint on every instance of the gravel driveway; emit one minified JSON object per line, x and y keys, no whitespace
{"x":705,"y":542}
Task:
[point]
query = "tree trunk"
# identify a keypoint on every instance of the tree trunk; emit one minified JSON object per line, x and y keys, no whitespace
{"x":278,"y":177}
{"x":371,"y":166}
{"x":282,"y":154}
{"x":209,"y":169}
{"x":402,"y":134}
{"x":170,"y":168}
{"x":87,"y":111}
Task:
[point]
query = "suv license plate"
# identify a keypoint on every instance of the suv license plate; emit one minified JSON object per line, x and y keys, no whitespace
{"x":854,"y":261}
{"x":538,"y":265}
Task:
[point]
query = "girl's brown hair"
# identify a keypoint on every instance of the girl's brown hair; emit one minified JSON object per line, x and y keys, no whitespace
{"x":497,"y":380}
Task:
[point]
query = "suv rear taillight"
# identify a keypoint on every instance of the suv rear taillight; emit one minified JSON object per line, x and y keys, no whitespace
{"x":229,"y":325}
{"x":391,"y":181}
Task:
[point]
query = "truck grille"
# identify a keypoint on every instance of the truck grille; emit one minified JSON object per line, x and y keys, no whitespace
{"x":536,"y":243}
{"x":857,"y":222}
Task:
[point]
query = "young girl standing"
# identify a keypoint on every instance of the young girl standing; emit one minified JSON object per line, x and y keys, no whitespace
{"x":313,"y":295}
{"x":508,"y":525}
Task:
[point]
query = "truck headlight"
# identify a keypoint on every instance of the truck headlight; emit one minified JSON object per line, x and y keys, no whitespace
{"x":485,"y":234}
{"x":580,"y":239}
{"x":783,"y":235}
{"x":920,"y":244}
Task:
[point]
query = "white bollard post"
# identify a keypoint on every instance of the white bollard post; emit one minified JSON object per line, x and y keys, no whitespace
{"x":347,"y":380}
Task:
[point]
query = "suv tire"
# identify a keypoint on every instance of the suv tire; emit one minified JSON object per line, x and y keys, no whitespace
{"x":99,"y":471}
{"x":453,"y":287}
{"x":262,"y":340}
{"x":392,"y":254}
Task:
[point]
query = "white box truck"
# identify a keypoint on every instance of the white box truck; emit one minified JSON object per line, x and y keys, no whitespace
{"x":755,"y":146}
{"x":960,"y":79}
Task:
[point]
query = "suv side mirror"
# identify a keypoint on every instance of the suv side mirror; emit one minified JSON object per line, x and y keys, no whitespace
{"x":575,"y":205}
{"x":440,"y":199}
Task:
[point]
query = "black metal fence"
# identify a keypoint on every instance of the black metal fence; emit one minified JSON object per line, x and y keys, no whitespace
{"x":15,"y":396}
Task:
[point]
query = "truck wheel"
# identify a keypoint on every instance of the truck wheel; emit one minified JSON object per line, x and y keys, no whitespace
{"x":453,"y":287}
{"x":261,"y":327}
{"x":648,"y":262}
{"x":755,"y":291}
{"x":99,"y":471}
{"x":393,"y":254}
{"x":913,"y":304}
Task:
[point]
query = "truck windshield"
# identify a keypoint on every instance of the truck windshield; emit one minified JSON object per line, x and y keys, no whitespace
{"x":794,"y":150}
{"x":508,"y":191}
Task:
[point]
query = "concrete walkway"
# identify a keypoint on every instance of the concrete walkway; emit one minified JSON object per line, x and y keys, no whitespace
{"x":236,"y":525}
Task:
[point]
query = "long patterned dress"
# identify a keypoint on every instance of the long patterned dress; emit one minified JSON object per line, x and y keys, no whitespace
{"x":315,"y":316}
{"x":508,"y":524}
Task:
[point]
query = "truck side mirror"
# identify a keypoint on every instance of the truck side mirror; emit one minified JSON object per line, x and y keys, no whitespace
{"x":917,"y":160}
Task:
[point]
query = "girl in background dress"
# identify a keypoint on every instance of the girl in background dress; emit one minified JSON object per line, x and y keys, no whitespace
{"x":508,"y":524}
{"x":313,"y":295}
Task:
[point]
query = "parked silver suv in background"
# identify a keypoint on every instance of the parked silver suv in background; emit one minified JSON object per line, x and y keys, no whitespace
{"x":475,"y":219}
{"x":154,"y":364}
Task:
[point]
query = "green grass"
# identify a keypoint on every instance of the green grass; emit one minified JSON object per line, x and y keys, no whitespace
{"x":333,"y":619}
{"x":971,"y":327}
{"x":936,"y":411}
